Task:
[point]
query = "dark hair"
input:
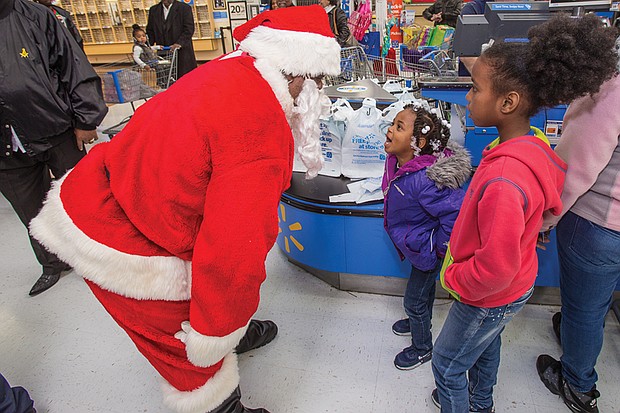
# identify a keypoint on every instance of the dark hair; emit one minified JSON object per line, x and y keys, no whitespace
{"x":564,"y":59}
{"x":136,"y":28}
{"x":334,"y":2}
{"x":438,"y":130}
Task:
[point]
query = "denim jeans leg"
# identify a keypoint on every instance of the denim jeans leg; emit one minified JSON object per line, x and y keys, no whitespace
{"x":483,"y":375}
{"x":589,"y":273}
{"x":470,"y":340}
{"x":418,"y":303}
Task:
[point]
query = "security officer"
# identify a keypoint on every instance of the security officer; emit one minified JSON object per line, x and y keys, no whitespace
{"x":50,"y":105}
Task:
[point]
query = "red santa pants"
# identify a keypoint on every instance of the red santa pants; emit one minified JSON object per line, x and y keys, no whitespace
{"x":151,"y":325}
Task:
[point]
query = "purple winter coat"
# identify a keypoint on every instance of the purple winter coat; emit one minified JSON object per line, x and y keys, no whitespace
{"x":421,"y":202}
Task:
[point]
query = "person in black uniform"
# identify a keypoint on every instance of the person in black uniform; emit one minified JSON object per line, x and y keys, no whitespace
{"x":171,"y":23}
{"x":64,"y":17}
{"x":50,"y":104}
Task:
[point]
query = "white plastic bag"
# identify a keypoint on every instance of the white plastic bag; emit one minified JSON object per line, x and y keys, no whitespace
{"x":332,"y":131}
{"x":363,"y":153}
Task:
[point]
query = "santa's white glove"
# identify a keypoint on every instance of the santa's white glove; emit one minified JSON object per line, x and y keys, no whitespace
{"x":182,"y":334}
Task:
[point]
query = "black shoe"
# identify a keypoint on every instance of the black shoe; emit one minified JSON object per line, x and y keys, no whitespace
{"x":556,"y":320}
{"x":233,"y":405}
{"x":550,"y":372}
{"x":409,"y":359}
{"x":257,"y":335}
{"x":45,"y":282}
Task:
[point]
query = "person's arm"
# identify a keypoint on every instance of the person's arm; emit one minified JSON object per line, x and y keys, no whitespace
{"x":185,"y":39}
{"x":75,"y":73}
{"x":342,"y":26}
{"x":429,"y":12}
{"x":443,"y":205}
{"x":150,"y":26}
{"x":137,"y":51}
{"x":501,"y":224}
{"x":453,"y":11}
{"x":239,"y":227}
{"x":590,"y":134}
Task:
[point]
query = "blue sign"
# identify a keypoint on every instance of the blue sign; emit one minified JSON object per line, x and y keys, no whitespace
{"x":510,"y":6}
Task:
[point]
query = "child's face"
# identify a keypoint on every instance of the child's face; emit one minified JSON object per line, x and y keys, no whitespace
{"x":141,"y":37}
{"x":483,"y":103}
{"x":398,"y":139}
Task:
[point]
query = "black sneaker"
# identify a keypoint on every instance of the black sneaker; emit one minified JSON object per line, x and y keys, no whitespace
{"x":408,"y":359}
{"x":550,"y":372}
{"x":556,"y":320}
{"x":401,"y":327}
{"x":435,"y":400}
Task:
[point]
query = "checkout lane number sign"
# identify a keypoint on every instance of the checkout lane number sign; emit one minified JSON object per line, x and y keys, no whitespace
{"x":237,"y":10}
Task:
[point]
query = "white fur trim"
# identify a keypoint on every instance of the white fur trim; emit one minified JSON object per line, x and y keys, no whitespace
{"x":209,"y":396}
{"x":294,"y":53}
{"x":205,"y":351}
{"x":142,"y":278}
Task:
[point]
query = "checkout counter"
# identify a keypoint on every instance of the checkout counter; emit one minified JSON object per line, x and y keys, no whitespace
{"x":345,"y":244}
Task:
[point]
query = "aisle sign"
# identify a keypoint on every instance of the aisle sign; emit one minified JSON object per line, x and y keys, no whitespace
{"x":237,"y":15}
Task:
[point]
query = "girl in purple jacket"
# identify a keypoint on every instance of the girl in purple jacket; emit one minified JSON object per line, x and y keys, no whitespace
{"x":422,"y":189}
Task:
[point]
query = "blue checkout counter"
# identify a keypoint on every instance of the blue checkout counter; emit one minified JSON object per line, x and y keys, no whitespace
{"x":346,"y":244}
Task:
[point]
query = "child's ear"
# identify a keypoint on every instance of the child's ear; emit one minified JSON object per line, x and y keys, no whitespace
{"x":421,"y":142}
{"x":511,"y":102}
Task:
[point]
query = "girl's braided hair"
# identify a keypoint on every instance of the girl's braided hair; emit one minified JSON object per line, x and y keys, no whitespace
{"x":565,"y":58}
{"x":428,"y":125}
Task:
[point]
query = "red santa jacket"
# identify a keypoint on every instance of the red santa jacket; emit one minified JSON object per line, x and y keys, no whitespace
{"x":182,"y":204}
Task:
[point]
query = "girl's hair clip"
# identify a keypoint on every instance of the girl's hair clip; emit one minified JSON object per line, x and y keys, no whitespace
{"x":425,"y":129}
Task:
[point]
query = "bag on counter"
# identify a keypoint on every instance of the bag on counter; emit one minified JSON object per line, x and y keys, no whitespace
{"x":363,"y":153}
{"x":332,"y":132}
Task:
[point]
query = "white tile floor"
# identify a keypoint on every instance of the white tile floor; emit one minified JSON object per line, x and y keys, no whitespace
{"x":333,"y":354}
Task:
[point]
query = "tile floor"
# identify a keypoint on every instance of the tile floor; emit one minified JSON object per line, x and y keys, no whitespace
{"x":333,"y":354}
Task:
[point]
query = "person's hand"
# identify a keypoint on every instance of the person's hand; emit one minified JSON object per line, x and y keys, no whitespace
{"x":175,"y":46}
{"x":543,"y":238}
{"x":85,"y":136}
{"x":436,"y":17}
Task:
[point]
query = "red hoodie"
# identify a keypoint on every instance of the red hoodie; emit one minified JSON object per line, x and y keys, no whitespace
{"x":494,"y":238}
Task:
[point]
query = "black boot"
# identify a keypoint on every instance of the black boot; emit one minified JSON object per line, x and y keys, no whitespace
{"x":257,"y":335}
{"x":233,"y":405}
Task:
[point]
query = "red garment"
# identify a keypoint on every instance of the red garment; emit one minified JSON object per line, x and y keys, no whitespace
{"x":173,"y":219}
{"x":494,"y":238}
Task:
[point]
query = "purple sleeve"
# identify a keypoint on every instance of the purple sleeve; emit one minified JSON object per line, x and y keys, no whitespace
{"x":444,"y":205}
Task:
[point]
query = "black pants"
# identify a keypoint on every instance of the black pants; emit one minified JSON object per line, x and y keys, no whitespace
{"x":14,"y":399}
{"x":24,"y":182}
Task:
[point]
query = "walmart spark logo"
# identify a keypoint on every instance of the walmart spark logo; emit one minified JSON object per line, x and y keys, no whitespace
{"x":292,"y":227}
{"x":24,"y":53}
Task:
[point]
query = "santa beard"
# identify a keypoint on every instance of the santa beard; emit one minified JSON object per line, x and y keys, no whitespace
{"x":310,"y":105}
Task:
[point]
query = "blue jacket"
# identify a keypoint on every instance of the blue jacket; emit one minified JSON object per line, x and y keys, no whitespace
{"x":421,"y":202}
{"x":474,"y":7}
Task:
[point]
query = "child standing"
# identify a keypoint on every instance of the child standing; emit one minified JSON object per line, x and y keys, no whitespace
{"x":493,"y":246}
{"x":422,"y":190}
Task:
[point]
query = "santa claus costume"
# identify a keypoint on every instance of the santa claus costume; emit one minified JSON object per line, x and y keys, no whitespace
{"x":170,"y":223}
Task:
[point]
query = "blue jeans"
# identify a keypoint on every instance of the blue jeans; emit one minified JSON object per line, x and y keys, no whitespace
{"x":469,"y":344}
{"x":418,"y":302}
{"x":589,"y":272}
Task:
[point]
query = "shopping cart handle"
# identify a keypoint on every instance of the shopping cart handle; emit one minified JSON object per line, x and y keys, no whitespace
{"x":165,"y":48}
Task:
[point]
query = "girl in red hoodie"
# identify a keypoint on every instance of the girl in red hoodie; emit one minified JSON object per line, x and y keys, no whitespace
{"x":493,"y":262}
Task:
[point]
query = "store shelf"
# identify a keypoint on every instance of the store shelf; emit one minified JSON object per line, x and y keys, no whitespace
{"x":104,"y":22}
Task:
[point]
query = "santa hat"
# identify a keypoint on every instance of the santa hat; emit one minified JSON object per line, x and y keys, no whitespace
{"x":296,"y":40}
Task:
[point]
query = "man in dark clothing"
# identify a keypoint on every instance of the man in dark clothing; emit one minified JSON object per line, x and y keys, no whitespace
{"x":64,"y":17}
{"x":444,"y":12}
{"x":171,"y":23}
{"x":50,"y":105}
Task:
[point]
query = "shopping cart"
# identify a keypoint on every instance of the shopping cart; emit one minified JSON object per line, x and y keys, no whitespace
{"x":126,"y":82}
{"x":407,"y":66}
